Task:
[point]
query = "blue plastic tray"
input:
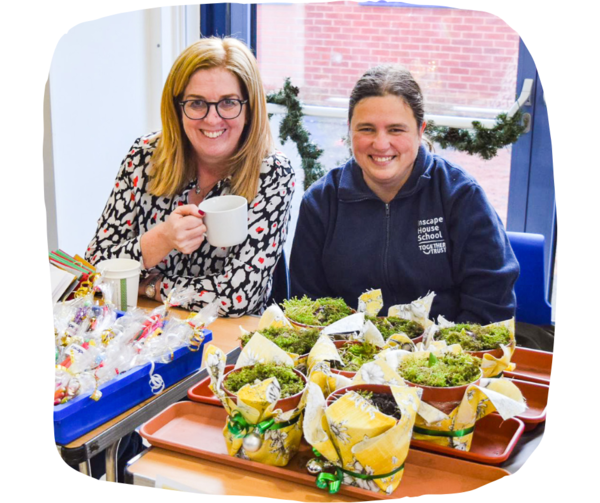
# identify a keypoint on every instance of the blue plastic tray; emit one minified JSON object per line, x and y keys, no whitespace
{"x":82,"y":414}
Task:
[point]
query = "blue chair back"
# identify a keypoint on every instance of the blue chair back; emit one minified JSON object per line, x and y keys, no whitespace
{"x":530,"y":289}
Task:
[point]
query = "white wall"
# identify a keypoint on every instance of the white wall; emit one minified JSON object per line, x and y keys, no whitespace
{"x":105,"y":85}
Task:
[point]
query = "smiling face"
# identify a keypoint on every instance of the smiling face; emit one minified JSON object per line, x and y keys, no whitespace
{"x":214,"y":139}
{"x":385,"y":142}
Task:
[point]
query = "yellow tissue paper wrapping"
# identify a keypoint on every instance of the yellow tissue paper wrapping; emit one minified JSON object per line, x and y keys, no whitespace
{"x":355,"y":437}
{"x":371,"y":302}
{"x":455,"y":429}
{"x":250,"y":419}
{"x":491,"y":395}
{"x":418,"y":310}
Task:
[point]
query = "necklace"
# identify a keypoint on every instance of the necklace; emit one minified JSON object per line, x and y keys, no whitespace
{"x":202,"y":191}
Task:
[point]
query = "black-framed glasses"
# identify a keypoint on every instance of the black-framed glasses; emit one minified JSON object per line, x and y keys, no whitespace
{"x":227,"y":108}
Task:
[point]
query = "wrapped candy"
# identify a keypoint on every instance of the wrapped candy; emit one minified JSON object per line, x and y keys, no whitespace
{"x":93,"y":346}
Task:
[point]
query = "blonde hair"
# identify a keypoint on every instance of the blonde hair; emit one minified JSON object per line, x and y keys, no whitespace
{"x":172,"y":166}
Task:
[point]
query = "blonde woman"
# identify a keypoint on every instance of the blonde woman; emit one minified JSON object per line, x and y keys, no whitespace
{"x":215,"y":140}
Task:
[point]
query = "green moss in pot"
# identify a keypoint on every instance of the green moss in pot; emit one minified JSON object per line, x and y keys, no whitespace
{"x":315,"y":313}
{"x":289,"y":339}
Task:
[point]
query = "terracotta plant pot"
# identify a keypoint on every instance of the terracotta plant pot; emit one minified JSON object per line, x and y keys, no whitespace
{"x":496,"y":353}
{"x":417,"y":339}
{"x":284,"y":404}
{"x":345,"y":373}
{"x":445,"y":399}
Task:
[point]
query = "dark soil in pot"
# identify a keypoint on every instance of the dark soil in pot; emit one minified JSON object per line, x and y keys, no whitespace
{"x":379,"y":395}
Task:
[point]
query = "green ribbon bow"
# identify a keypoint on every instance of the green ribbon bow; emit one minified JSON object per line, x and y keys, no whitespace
{"x":240,"y":428}
{"x":335,"y":481}
{"x":437,"y":433}
{"x":329,"y":479}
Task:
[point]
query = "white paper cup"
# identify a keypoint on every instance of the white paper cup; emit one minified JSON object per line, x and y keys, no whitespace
{"x":226,"y":220}
{"x":123,"y":275}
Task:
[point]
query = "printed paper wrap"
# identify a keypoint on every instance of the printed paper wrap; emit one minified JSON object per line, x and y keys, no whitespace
{"x":357,"y":439}
{"x":456,"y":428}
{"x":349,"y":328}
{"x":325,"y":350}
{"x":273,"y":317}
{"x":371,"y":303}
{"x":418,"y":310}
{"x":254,"y":417}
{"x":491,"y":395}
{"x":491,"y":366}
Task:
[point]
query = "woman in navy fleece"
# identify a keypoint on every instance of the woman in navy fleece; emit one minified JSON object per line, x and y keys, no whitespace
{"x":400,"y":218}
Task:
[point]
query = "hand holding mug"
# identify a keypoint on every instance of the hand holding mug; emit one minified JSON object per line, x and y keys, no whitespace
{"x":185,"y":229}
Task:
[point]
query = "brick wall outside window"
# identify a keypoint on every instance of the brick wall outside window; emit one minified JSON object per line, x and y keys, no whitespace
{"x":460,"y":57}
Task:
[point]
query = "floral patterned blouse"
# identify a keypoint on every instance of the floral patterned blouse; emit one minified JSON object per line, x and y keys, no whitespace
{"x":239,"y":277}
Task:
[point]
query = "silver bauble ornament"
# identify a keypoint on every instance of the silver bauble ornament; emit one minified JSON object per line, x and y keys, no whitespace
{"x":252,"y":442}
{"x":314,"y":466}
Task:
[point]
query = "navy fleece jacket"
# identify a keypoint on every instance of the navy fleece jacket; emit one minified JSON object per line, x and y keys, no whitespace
{"x":438,"y":234}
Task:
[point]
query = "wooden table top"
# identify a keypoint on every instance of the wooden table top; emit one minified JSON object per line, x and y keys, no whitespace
{"x":209,"y":477}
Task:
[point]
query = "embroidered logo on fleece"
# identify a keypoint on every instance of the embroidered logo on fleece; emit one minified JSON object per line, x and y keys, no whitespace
{"x":430,"y":238}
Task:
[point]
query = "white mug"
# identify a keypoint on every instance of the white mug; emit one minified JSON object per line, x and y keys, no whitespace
{"x":226,"y":220}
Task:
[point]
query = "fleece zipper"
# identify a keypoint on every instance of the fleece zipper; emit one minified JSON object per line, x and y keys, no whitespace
{"x":386,"y":275}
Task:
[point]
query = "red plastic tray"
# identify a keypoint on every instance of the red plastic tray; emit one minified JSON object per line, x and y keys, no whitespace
{"x":202,"y":393}
{"x":532,"y":365}
{"x":493,"y":441}
{"x":536,"y":396}
{"x":196,"y":429}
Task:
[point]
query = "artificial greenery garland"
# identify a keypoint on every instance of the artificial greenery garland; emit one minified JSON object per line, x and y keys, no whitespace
{"x":291,"y":127}
{"x":482,"y":141}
